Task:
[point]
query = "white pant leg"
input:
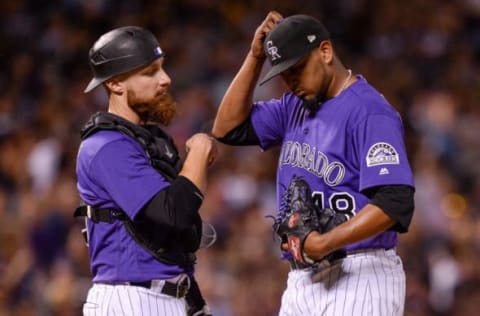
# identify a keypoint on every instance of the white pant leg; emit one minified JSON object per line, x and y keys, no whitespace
{"x":369,"y":283}
{"x":373,"y":283}
{"x":123,"y":300}
{"x":301,"y":295}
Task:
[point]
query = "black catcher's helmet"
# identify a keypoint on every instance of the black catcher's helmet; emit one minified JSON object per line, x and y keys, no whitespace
{"x":119,"y":51}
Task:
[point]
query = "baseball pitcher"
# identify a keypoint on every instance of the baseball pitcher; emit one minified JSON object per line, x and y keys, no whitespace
{"x":344,"y":184}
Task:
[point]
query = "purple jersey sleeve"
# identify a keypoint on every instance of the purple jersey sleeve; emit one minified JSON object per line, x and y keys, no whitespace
{"x":380,"y":147}
{"x":270,"y":119}
{"x":119,"y":171}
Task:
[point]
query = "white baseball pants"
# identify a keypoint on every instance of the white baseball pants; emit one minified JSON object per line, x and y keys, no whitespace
{"x":123,"y":300}
{"x":370,"y":283}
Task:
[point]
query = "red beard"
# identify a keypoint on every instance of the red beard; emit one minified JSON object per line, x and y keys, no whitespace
{"x":159,"y":110}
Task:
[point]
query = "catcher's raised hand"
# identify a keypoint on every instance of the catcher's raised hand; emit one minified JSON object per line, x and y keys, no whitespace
{"x":204,"y":146}
{"x":272,"y":19}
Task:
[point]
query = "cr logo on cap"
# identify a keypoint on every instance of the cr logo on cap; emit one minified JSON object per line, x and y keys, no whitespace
{"x":272,"y":51}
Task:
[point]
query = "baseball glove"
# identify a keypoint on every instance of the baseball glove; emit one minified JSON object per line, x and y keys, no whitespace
{"x":299,"y":216}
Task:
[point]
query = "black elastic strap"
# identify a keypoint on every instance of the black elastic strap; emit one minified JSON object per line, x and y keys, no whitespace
{"x":99,"y":214}
{"x":194,"y":298}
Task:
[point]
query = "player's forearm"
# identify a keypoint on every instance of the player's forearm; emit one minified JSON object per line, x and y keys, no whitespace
{"x":195,"y":169}
{"x":237,"y":101}
{"x":370,"y":221}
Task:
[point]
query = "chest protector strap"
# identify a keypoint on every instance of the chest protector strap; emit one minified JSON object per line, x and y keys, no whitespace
{"x":164,"y":157}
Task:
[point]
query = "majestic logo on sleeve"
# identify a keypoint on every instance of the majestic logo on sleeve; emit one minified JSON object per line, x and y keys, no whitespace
{"x":382,"y":154}
{"x":273,"y":51}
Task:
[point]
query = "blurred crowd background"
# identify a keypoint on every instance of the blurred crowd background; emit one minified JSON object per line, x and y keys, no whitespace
{"x":423,"y":55}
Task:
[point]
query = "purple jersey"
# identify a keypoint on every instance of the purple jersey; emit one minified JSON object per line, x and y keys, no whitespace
{"x":354,"y":142}
{"x":114,"y":171}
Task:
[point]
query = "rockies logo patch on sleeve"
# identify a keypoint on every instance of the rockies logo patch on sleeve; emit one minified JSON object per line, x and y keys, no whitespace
{"x":382,"y":154}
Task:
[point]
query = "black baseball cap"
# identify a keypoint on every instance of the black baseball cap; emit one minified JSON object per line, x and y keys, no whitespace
{"x":291,"y":40}
{"x":119,"y":51}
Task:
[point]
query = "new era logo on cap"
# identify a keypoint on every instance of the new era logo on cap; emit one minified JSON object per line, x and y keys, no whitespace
{"x":292,"y":39}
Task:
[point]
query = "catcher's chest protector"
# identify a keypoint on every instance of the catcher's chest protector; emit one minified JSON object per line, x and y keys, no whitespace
{"x":158,"y":145}
{"x":164,"y":157}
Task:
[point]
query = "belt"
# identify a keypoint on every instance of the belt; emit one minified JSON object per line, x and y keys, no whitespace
{"x":178,"y":288}
{"x":334,"y":256}
{"x":329,"y":259}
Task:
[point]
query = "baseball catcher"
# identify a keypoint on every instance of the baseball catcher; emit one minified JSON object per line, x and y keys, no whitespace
{"x":299,"y":216}
{"x":141,"y":201}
